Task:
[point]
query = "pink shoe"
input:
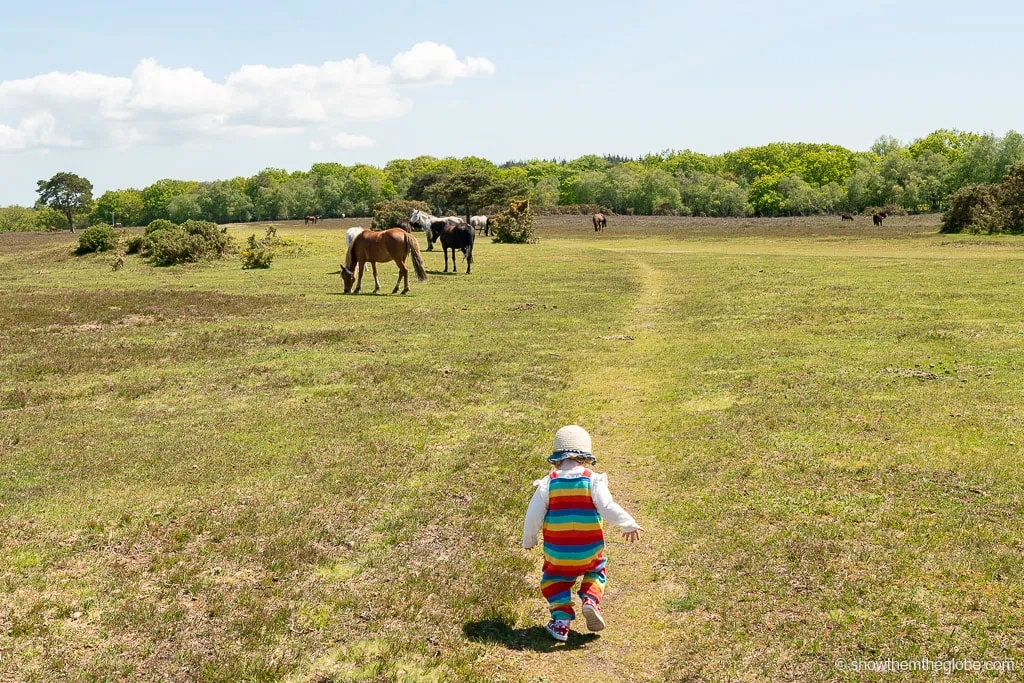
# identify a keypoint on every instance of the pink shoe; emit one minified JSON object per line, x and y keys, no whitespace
{"x":592,"y":613}
{"x":559,"y":630}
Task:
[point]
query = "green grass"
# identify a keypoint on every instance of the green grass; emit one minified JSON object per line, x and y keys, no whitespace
{"x":218,"y":474}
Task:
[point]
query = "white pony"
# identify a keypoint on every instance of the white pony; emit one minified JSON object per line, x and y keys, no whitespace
{"x":350,"y":235}
{"x":480,"y":223}
{"x":424,"y":219}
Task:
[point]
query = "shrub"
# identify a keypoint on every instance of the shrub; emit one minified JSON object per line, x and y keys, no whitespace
{"x":515,"y":225}
{"x":573,"y":210}
{"x":387,"y":214}
{"x":97,"y":238}
{"x":974,"y":208}
{"x":1011,"y":198}
{"x":186,"y":243}
{"x":135,"y":244}
{"x":159,"y":224}
{"x":259,"y":253}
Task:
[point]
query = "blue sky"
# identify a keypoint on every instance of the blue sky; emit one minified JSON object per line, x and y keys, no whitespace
{"x":553,"y":79}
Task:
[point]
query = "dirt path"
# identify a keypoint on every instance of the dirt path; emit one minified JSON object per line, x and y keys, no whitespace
{"x":613,"y":394}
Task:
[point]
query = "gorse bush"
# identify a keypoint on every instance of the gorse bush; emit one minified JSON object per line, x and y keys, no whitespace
{"x":989,"y":207}
{"x":515,"y":225}
{"x":97,"y":238}
{"x":1011,"y":198}
{"x":388,"y":214}
{"x":972,"y":209}
{"x":260,"y":253}
{"x":187,"y":243}
{"x":159,"y":224}
{"x":134,"y":244}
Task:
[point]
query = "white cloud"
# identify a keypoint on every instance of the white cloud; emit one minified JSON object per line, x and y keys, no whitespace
{"x":38,"y":130}
{"x":160,"y":104}
{"x":346,"y":141}
{"x":431,"y":63}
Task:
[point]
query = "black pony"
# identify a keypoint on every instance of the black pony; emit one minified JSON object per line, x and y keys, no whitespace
{"x":454,"y":235}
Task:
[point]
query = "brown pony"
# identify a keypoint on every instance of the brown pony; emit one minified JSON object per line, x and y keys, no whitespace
{"x":847,"y":217}
{"x":380,"y":247}
{"x":599,"y":222}
{"x":311,"y":219}
{"x":879,"y":217}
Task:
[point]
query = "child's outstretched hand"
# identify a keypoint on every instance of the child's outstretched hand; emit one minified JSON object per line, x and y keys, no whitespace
{"x":634,"y":535}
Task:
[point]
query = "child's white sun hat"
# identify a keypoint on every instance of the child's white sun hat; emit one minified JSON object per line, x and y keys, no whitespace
{"x":573,"y":442}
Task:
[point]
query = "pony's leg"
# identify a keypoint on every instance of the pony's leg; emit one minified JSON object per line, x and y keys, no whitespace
{"x":359,"y":282}
{"x":445,"y":250}
{"x":402,"y":272}
{"x":376,"y":280}
{"x":455,"y":263}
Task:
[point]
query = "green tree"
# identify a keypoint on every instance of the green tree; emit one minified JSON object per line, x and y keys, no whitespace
{"x":399,"y":172}
{"x":368,"y":186}
{"x":224,"y":202}
{"x":544,"y":192}
{"x":933,"y":170}
{"x":711,"y":195}
{"x":507,"y":184}
{"x":184,"y":207}
{"x":589,"y":162}
{"x":68,"y":193}
{"x":469,"y":189}
{"x":950,"y":143}
{"x":886,"y":144}
{"x":156,"y":197}
{"x":765,"y":197}
{"x":331,"y":195}
{"x":685,"y":162}
{"x":297,"y":198}
{"x":593,"y":187}
{"x":17,"y":219}
{"x":118,"y":206}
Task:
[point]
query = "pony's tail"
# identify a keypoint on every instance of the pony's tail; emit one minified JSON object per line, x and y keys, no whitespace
{"x":417,"y":261}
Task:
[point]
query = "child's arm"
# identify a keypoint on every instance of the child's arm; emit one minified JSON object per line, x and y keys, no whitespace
{"x":611,"y":510}
{"x":535,"y":514}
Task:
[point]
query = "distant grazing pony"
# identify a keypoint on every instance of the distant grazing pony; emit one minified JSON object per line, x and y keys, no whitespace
{"x":118,"y":225}
{"x":879,"y":217}
{"x":455,"y":236}
{"x":480,"y":223}
{"x":847,"y":217}
{"x":311,"y":219}
{"x":380,"y":247}
{"x":600,"y":222}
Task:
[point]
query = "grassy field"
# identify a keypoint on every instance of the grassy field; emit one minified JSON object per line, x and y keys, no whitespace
{"x":217,"y":474}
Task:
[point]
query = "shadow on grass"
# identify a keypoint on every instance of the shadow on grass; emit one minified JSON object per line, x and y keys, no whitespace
{"x":533,"y":638}
{"x":439,"y":272}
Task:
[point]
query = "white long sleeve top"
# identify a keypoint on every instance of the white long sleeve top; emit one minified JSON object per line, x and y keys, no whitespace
{"x":599,"y":493}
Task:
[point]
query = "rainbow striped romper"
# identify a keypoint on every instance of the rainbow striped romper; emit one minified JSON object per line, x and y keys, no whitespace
{"x":573,"y":544}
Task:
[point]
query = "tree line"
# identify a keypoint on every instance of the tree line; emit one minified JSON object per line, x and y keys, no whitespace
{"x":770,"y":180}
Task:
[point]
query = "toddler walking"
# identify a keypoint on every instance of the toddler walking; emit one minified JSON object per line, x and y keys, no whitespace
{"x":568,"y":506}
